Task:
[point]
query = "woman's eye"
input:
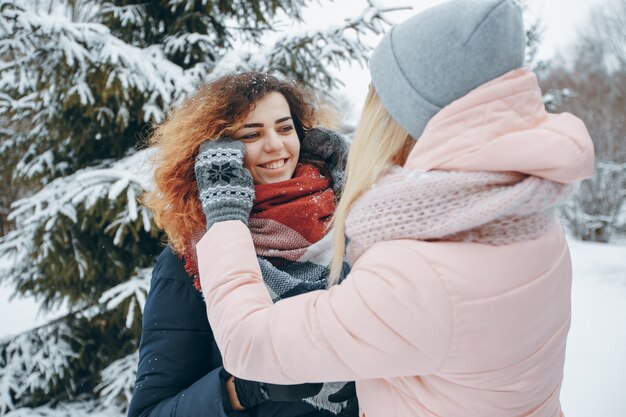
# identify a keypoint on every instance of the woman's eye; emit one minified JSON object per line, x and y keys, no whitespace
{"x":250,"y":137}
{"x":287,"y":128}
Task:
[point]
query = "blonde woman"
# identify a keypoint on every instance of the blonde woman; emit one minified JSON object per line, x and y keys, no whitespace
{"x":458,"y":301}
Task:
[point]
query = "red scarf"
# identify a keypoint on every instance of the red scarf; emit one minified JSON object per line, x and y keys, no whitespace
{"x":287,"y":217}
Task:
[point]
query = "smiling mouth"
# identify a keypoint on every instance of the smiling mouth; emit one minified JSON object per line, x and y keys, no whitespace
{"x":275,"y":164}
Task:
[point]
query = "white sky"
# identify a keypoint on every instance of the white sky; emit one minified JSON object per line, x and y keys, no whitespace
{"x":561,"y":19}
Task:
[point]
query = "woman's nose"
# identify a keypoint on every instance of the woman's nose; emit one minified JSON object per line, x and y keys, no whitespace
{"x":273,"y":141}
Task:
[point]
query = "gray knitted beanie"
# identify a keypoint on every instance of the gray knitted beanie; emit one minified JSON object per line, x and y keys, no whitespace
{"x":442,"y":53}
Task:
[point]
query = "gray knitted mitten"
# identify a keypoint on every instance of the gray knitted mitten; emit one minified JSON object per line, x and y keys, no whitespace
{"x":225,"y":187}
{"x":330,"y":147}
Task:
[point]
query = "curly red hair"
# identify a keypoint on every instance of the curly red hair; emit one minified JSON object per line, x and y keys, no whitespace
{"x":216,"y":110}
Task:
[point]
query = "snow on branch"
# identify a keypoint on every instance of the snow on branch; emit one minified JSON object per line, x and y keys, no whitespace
{"x":129,"y":15}
{"x":309,"y":54}
{"x":118,"y":380}
{"x":598,"y":219}
{"x":49,"y":63}
{"x":135,"y":290}
{"x":555,"y":98}
{"x":64,"y":196}
{"x":85,"y":187}
{"x":89,"y":408}
{"x":41,"y":44}
{"x":15,"y":248}
{"x":34,"y":361}
{"x":183,"y":43}
{"x":33,"y":163}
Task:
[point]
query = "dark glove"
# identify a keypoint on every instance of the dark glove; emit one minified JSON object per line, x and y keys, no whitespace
{"x":346,"y":393}
{"x":251,"y":393}
{"x":225,"y":187}
{"x":351,"y":409}
{"x":330,"y":147}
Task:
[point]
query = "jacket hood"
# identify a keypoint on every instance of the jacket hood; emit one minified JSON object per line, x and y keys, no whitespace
{"x":503,"y":126}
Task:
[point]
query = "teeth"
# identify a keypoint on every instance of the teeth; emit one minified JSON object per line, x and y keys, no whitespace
{"x":275,"y":165}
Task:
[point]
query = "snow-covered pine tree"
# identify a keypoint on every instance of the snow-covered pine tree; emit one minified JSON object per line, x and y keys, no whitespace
{"x":81,"y":81}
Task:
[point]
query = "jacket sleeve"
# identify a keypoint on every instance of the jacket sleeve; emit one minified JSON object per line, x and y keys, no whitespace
{"x":174,"y":376}
{"x":390,"y":317}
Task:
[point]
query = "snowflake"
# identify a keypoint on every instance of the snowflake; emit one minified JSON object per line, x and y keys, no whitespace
{"x":224,"y":172}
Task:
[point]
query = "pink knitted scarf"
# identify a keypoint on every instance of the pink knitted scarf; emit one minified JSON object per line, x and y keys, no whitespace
{"x":494,"y":208}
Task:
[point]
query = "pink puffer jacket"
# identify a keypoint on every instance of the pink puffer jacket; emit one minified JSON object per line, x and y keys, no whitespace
{"x":426,"y":329}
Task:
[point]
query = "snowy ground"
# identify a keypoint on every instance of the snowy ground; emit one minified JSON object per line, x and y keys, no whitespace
{"x":595,"y":368}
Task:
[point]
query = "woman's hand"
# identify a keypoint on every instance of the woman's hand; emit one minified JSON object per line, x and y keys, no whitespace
{"x":246,"y":394}
{"x":347,"y":394}
{"x":330,"y":147}
{"x":326,"y":144}
{"x":225,"y":187}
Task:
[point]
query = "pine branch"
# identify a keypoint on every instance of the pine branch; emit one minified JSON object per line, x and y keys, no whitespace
{"x":131,"y":15}
{"x":118,"y":381}
{"x":308,"y":55}
{"x":63,"y":206}
{"x":91,"y":408}
{"x":132,"y":292}
{"x":554,"y":98}
{"x":39,"y":358}
{"x":34,"y":361}
{"x":56,"y":68}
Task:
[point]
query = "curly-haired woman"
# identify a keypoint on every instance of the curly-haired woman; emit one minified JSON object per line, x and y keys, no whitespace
{"x":264,"y":125}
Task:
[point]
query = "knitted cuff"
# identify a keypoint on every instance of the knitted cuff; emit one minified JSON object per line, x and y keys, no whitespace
{"x":223,"y":217}
{"x":223,"y":203}
{"x":232,"y":194}
{"x":250,"y":393}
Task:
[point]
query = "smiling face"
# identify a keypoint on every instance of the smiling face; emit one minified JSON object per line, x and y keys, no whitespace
{"x":272,"y":144}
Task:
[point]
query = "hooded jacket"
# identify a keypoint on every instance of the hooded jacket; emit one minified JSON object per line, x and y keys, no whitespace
{"x":429,"y":329}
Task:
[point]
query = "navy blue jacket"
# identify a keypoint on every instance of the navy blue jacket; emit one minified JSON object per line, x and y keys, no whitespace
{"x":179,"y":372}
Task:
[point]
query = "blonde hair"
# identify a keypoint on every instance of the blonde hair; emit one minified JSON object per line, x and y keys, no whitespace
{"x":379,"y":143}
